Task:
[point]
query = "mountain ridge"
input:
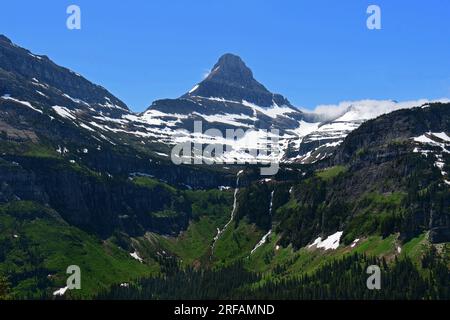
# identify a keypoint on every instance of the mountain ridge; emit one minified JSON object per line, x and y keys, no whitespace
{"x":231,"y":79}
{"x":224,"y":104}
{"x":41,"y":70}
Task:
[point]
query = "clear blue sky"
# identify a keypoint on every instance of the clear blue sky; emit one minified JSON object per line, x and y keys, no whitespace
{"x":313,"y":52}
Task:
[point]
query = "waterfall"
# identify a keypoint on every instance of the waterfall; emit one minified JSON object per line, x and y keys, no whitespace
{"x":271,"y":203}
{"x":264,"y":238}
{"x":233,"y":211}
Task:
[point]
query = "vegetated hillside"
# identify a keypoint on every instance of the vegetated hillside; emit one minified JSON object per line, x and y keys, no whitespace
{"x":386,"y":195}
{"x":38,"y":243}
{"x":378,"y":183}
{"x":343,"y":278}
{"x":37,"y":246}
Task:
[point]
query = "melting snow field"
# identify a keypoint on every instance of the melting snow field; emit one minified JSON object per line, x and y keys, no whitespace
{"x":135,"y":255}
{"x":428,"y":139}
{"x":194,"y":88}
{"x":354,"y":243}
{"x":272,"y":112}
{"x":25,"y":103}
{"x":261,"y":242}
{"x":64,"y":112}
{"x":60,"y":292}
{"x":330,"y":243}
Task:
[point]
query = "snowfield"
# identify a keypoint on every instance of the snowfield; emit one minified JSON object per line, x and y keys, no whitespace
{"x":330,"y":243}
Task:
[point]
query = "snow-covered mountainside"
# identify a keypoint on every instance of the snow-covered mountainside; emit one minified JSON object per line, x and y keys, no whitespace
{"x":228,"y":98}
{"x":318,"y":140}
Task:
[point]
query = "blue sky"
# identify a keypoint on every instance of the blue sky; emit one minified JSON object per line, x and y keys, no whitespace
{"x":313,"y":52}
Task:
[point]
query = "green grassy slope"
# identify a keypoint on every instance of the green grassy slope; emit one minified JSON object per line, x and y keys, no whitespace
{"x":37,"y":247}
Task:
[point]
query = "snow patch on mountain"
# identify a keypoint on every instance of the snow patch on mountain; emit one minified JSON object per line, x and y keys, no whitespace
{"x":194,"y":88}
{"x":24,"y":103}
{"x":429,"y":144}
{"x":61,"y":291}
{"x":135,"y":255}
{"x":262,"y":241}
{"x":64,"y":112}
{"x":272,"y":112}
{"x":330,"y":243}
{"x":233,"y":120}
{"x":158,"y":118}
{"x":437,"y":139}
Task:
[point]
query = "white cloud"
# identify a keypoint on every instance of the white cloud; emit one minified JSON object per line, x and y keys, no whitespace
{"x":366,"y":109}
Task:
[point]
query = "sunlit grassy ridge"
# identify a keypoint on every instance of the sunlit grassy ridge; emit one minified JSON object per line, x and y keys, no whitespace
{"x":330,"y":173}
{"x":40,"y":244}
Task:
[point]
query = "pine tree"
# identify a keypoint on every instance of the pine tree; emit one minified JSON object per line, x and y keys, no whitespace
{"x":4,"y":288}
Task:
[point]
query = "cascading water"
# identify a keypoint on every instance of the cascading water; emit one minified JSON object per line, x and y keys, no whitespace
{"x":233,"y":211}
{"x":271,"y":203}
{"x":264,"y":238}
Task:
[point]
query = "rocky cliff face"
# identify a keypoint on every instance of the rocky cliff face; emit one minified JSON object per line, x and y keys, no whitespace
{"x":91,"y":201}
{"x":17,"y":183}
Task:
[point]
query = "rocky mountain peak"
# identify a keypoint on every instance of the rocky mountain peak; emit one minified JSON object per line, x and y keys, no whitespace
{"x":231,"y":79}
{"x":232,"y":70}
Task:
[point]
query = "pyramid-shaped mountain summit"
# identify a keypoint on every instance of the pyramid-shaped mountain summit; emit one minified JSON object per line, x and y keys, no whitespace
{"x":231,"y":79}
